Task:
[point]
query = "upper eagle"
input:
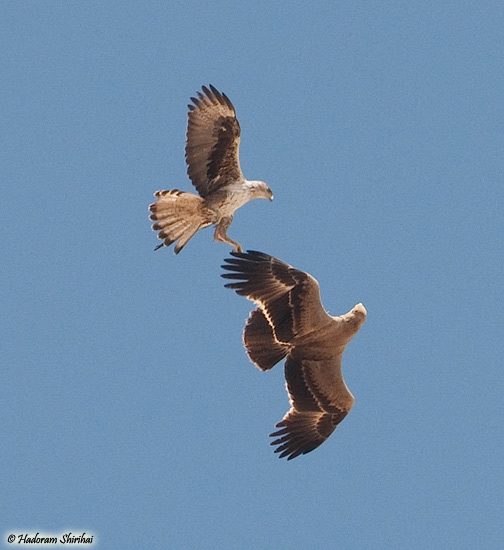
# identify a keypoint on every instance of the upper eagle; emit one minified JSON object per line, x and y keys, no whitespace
{"x":291,"y":322}
{"x":213,"y":165}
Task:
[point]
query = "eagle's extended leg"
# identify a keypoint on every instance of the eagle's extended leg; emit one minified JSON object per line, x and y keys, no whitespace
{"x":222,"y":236}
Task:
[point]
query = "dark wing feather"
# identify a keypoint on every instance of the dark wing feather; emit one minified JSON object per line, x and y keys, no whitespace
{"x":213,"y":140}
{"x":313,"y":416}
{"x":289,"y":298}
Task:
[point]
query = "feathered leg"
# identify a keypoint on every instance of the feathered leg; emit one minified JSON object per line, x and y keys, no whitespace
{"x":222,"y":236}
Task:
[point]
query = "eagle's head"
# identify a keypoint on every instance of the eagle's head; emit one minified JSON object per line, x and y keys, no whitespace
{"x":357,"y":315}
{"x":260,"y":190}
{"x":360,"y":312}
{"x":353,"y":320}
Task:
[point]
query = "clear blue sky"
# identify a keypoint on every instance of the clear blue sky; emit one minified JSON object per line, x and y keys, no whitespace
{"x":129,"y":408}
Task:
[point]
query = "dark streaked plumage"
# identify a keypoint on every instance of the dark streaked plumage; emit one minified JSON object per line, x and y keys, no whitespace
{"x":291,"y":322}
{"x":213,"y":140}
{"x":213,"y":165}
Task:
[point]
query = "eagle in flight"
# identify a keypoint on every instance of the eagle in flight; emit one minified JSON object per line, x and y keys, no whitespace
{"x":213,"y":165}
{"x":291,"y":322}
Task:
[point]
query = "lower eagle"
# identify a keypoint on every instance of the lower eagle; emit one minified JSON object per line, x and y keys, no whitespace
{"x":290,"y":322}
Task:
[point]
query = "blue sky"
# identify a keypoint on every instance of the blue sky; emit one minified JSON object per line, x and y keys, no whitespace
{"x":129,"y":407}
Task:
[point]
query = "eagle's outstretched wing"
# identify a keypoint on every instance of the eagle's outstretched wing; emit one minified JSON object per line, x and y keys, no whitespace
{"x":213,"y":140}
{"x":288,"y":298}
{"x":319,"y":402}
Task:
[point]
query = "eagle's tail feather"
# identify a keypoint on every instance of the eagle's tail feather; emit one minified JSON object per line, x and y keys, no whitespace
{"x":262,"y":347}
{"x":178,"y":216}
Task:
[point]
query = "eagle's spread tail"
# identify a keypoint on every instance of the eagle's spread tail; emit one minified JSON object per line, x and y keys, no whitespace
{"x":178,"y":216}
{"x":262,"y":347}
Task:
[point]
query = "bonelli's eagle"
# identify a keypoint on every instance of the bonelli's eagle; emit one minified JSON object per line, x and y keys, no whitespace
{"x":213,"y":165}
